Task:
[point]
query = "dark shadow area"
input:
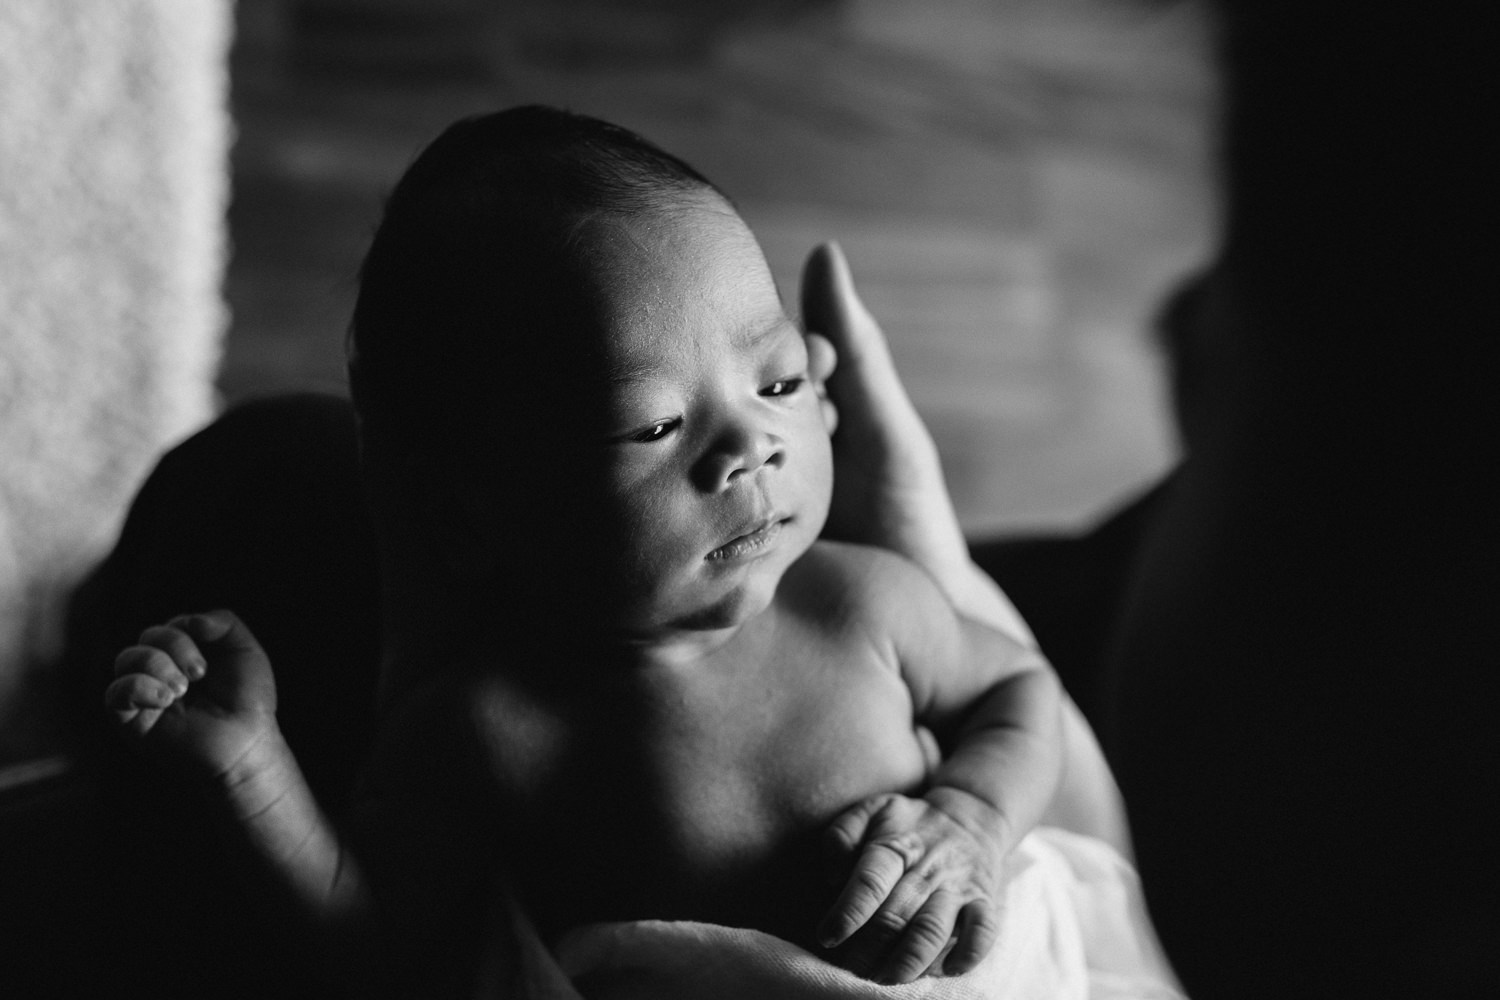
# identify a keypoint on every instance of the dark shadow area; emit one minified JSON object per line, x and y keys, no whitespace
{"x":126,"y":879}
{"x":1304,"y":694}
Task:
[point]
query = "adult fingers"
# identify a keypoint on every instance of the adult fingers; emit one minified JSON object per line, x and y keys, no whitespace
{"x":831,"y":306}
{"x":923,"y":940}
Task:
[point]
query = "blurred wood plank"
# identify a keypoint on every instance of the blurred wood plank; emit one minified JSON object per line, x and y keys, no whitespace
{"x":1016,"y":183}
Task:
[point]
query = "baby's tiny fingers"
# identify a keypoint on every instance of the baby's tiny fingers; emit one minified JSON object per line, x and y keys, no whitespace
{"x":179,"y":646}
{"x":137,"y":701}
{"x":136,"y":691}
{"x":978,"y":931}
{"x":847,"y":831}
{"x":926,"y":935}
{"x":211,"y":628}
{"x":876,"y":873}
{"x":151,"y":661}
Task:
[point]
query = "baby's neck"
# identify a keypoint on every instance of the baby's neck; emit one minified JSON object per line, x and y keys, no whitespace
{"x":680,"y":649}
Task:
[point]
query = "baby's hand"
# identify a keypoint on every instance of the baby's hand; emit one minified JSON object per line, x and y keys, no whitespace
{"x":198,"y":690}
{"x":921,"y":894}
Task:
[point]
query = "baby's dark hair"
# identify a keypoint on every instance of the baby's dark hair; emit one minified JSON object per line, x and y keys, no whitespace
{"x":477,"y":261}
{"x":474,"y":346}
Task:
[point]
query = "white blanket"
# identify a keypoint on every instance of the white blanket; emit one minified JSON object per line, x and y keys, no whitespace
{"x":1073,"y":926}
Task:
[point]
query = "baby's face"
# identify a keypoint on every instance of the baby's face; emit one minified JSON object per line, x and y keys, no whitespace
{"x":719,"y":469}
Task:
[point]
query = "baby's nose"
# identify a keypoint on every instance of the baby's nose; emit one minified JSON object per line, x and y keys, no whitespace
{"x":739,"y":452}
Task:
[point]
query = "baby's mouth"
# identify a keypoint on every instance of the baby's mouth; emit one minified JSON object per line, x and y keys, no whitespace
{"x":751,"y":543}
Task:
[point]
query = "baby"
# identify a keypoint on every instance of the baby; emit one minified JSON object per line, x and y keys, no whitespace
{"x":625,"y":677}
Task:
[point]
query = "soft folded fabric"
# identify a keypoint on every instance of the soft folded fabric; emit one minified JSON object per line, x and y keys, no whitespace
{"x":1073,"y":927}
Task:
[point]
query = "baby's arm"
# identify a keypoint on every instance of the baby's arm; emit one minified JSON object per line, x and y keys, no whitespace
{"x":198,"y":692}
{"x":927,"y":870}
{"x":889,"y":492}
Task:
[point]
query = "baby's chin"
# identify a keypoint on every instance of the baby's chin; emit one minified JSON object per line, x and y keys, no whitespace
{"x":717,"y":597}
{"x":729,"y":610}
{"x":707,"y":608}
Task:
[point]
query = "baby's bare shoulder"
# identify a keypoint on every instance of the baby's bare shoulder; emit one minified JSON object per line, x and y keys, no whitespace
{"x":860,"y":583}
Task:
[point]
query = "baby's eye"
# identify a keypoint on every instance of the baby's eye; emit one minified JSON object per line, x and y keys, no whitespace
{"x":655,"y":432}
{"x":783,"y":387}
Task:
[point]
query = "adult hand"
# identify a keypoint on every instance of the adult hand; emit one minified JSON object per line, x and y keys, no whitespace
{"x":888,"y":482}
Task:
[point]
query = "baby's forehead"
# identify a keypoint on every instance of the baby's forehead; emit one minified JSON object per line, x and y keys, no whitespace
{"x":699,"y":264}
{"x":631,"y":252}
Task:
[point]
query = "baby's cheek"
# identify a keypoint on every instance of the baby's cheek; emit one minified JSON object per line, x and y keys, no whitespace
{"x":819,"y":471}
{"x":647,"y":539}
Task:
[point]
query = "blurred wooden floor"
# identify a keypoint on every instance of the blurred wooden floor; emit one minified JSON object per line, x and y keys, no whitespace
{"x":1016,"y":184}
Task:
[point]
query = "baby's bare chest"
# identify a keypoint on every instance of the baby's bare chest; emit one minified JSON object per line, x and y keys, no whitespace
{"x":700,"y":797}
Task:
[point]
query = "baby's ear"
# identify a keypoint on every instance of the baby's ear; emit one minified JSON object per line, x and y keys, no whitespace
{"x":822,"y":359}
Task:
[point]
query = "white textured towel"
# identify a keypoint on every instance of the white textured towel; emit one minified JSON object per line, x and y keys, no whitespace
{"x":1073,"y":927}
{"x":113,"y":136}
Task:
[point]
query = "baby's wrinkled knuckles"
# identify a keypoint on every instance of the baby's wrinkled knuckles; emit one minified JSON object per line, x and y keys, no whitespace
{"x":870,"y":884}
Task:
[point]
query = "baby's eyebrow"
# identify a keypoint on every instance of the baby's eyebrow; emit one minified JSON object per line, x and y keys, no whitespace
{"x":776,"y":328}
{"x":618,"y":373}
